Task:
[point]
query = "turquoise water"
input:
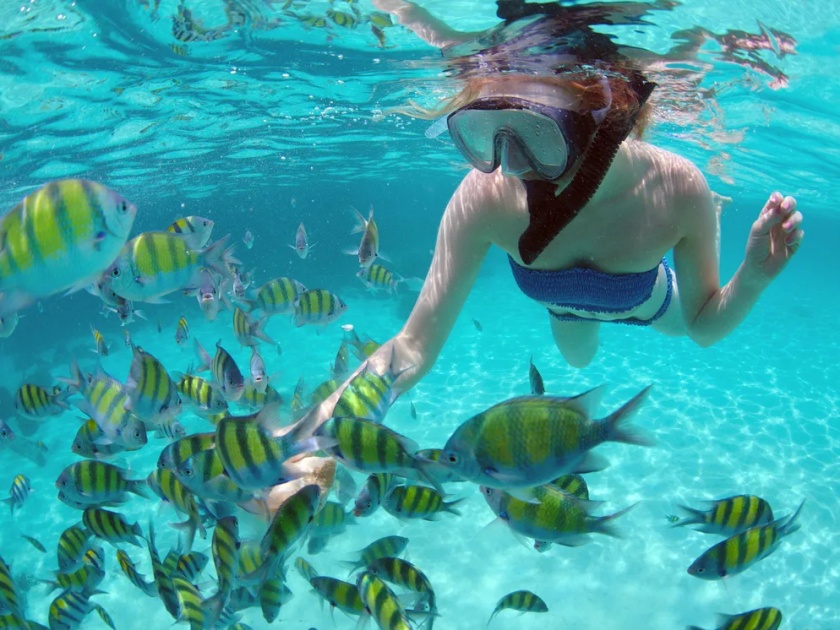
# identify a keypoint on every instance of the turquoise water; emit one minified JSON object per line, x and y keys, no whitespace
{"x":222,"y":132}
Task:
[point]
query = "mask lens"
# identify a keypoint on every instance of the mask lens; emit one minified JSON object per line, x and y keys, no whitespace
{"x":477,"y":132}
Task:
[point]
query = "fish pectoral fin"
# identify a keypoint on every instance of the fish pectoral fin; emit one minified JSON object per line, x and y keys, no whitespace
{"x":591,"y":462}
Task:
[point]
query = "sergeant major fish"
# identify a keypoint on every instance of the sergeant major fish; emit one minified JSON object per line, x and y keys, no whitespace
{"x":60,"y":237}
{"x":193,"y":229}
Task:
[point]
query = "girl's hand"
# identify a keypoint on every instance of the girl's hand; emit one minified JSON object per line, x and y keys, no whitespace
{"x":774,"y":238}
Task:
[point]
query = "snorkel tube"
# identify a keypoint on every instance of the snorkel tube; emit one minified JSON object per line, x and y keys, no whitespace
{"x":550,"y":213}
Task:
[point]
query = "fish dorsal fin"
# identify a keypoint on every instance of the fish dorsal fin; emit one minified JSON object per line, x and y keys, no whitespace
{"x":588,"y":402}
{"x":269,"y":418}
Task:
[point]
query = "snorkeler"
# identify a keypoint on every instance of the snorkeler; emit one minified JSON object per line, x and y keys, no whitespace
{"x":586,"y":214}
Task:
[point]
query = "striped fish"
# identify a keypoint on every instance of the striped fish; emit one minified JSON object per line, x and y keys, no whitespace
{"x":190,"y":565}
{"x":251,"y":454}
{"x":381,"y":603}
{"x":369,"y":395}
{"x":204,"y":475}
{"x":152,"y":394}
{"x":9,"y":598}
{"x":253,"y":569}
{"x":165,"y":483}
{"x":297,"y":406}
{"x":730,"y":516}
{"x":289,"y":523}
{"x":248,"y":331}
{"x":376,"y":277}
{"x":60,"y":237}
{"x":182,"y":332}
{"x":33,"y":402}
{"x":758,"y":619}
{"x":556,"y":517}
{"x":107,"y":403}
{"x":387,"y":547}
{"x":338,"y":594}
{"x":306,"y":570}
{"x":373,"y":492}
{"x":130,"y":571}
{"x":435,"y":468}
{"x":90,"y":441}
{"x":225,"y":549}
{"x":341,"y":364}
{"x":85,"y":579}
{"x":104,"y":616}
{"x":342,"y":19}
{"x":72,"y":544}
{"x":318,"y":307}
{"x":96,"y":483}
{"x":572,"y":484}
{"x":192,"y":610}
{"x":403,"y":573}
{"x":100,"y":347}
{"x":362,"y":348}
{"x":205,"y":398}
{"x":18,"y":493}
{"x":369,"y":447}
{"x":68,"y":610}
{"x":740,"y":552}
{"x":224,"y":370}
{"x":273,"y":594}
{"x":277,"y":296}
{"x":163,"y":581}
{"x":411,"y":501}
{"x":323,"y":391}
{"x":254,"y":399}
{"x":194,"y":230}
{"x":557,"y":436}
{"x":523,"y":601}
{"x":155,"y":264}
{"x":179,"y":451}
{"x":110,"y":526}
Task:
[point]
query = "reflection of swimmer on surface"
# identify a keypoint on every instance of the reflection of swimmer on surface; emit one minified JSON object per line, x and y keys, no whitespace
{"x":586,"y":215}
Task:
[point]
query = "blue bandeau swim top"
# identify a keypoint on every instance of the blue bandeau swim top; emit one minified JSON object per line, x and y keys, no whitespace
{"x":582,"y":288}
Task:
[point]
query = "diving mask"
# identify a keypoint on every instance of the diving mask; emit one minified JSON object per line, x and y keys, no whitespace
{"x":521,"y":135}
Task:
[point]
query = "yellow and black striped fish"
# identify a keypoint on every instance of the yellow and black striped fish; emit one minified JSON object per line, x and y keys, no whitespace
{"x":69,"y":609}
{"x":381,"y":603}
{"x":62,"y":236}
{"x":273,"y":594}
{"x":165,"y":483}
{"x":290,"y":522}
{"x":111,"y":527}
{"x":163,"y":579}
{"x":373,"y":492}
{"x":194,"y":229}
{"x":130,"y":571}
{"x":403,"y":573}
{"x":201,"y":393}
{"x":225,"y":548}
{"x":18,"y":493}
{"x":247,"y":331}
{"x":33,"y":402}
{"x":226,"y":373}
{"x":572,"y":484}
{"x":94,"y":482}
{"x":387,"y":547}
{"x":730,"y":516}
{"x":190,"y":565}
{"x":758,"y":619}
{"x":72,"y":544}
{"x":412,"y":501}
{"x":738,"y":553}
{"x":306,"y":570}
{"x":339,"y":594}
{"x":152,"y":394}
{"x":277,"y":296}
{"x":524,"y":601}
{"x":9,"y":597}
{"x":318,"y":307}
{"x":369,"y":395}
{"x":181,"y":450}
{"x":342,"y":19}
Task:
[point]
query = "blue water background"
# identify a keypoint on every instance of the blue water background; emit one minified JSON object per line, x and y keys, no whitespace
{"x":756,"y":413}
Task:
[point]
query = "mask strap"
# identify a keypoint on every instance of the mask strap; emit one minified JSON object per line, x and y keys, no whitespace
{"x":549,"y":214}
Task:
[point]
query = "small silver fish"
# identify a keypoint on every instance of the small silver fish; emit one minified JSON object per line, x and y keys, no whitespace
{"x":248,"y":239}
{"x":258,"y":371}
{"x":301,"y":245}
{"x":368,"y":250}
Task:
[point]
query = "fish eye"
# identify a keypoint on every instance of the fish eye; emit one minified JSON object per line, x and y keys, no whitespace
{"x":452,"y":458}
{"x":205,"y":223}
{"x":123,"y":207}
{"x":115,"y":272}
{"x":137,"y":433}
{"x":487,"y":491}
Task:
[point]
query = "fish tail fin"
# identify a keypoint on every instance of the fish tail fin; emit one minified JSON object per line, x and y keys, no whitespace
{"x":694,"y":516}
{"x":204,"y":359}
{"x":218,"y":258}
{"x":615,"y":427}
{"x":361,"y":222}
{"x":258,"y":332}
{"x":450,"y":506}
{"x":790,"y":525}
{"x":139,"y":487}
{"x":606,"y":525}
{"x":187,"y":528}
